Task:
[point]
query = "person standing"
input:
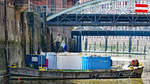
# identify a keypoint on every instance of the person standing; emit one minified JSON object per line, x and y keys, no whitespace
{"x":58,"y":41}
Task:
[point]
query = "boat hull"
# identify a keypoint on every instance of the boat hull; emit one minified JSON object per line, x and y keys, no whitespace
{"x":101,"y":74}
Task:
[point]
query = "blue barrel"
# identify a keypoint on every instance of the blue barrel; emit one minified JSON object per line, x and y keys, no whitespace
{"x":42,"y":59}
{"x":96,"y":62}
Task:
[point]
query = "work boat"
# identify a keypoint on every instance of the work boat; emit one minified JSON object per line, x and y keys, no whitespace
{"x":92,"y":68}
{"x":27,"y":73}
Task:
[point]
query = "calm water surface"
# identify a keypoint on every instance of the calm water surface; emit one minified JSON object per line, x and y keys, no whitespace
{"x":91,"y":81}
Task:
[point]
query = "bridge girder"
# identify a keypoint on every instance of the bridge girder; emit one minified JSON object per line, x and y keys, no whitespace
{"x":100,"y":20}
{"x":110,"y":33}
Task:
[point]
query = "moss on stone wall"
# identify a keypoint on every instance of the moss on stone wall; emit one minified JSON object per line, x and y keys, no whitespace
{"x":19,"y":37}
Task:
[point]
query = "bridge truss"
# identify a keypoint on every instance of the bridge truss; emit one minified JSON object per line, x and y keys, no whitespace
{"x":101,"y":13}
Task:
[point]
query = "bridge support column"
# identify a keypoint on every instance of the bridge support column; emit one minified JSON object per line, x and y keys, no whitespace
{"x":32,"y":31}
{"x":74,"y":44}
{"x":86,"y":44}
{"x":130,"y":44}
{"x":79,"y":44}
{"x":106,"y":43}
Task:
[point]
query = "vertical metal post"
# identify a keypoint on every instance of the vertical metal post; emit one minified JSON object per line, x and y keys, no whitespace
{"x":130,"y":44}
{"x":117,"y":46}
{"x":111,"y":48}
{"x":106,"y":42}
{"x":137,"y":45}
{"x":79,"y":44}
{"x":6,"y":39}
{"x":95,"y":47}
{"x":145,"y":49}
{"x":86,"y":44}
{"x":100,"y":44}
{"x":123,"y":46}
{"x":76,"y":44}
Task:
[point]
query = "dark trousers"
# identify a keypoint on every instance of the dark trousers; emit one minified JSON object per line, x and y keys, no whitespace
{"x":57,"y":46}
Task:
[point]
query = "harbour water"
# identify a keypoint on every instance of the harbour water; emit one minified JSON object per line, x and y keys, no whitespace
{"x":93,"y":81}
{"x":121,"y":60}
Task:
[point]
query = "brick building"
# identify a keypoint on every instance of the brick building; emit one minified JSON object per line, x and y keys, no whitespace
{"x":55,"y":5}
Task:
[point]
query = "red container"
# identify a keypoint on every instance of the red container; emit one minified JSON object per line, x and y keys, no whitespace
{"x":46,"y":63}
